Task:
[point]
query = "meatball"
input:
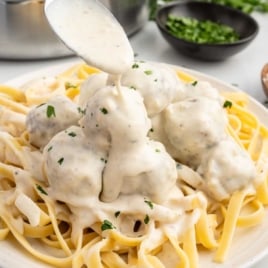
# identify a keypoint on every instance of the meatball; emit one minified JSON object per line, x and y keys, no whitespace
{"x":201,"y":89}
{"x":90,"y":86}
{"x":193,"y":126}
{"x":157,"y":83}
{"x":47,"y":119}
{"x":225,"y":169}
{"x":113,"y":116}
{"x":73,"y":166}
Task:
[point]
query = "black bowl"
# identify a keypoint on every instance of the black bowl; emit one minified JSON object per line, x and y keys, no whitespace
{"x":246,"y":27}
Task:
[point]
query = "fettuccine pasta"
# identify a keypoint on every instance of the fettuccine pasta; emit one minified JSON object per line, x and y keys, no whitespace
{"x":76,"y":229}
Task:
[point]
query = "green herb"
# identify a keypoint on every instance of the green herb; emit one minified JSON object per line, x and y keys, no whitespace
{"x":200,"y":31}
{"x":152,"y":130}
{"x":69,"y":85}
{"x":50,"y":111}
{"x":40,"y":189}
{"x":148,"y":72}
{"x":104,"y":160}
{"x":81,"y":111}
{"x":246,"y":6}
{"x":72,"y":134}
{"x":132,"y":87}
{"x":149,"y":203}
{"x":104,"y":110}
{"x":135,"y":66}
{"x":157,"y":150}
{"x":227,"y":104}
{"x":117,"y":213}
{"x":194,"y":83}
{"x":136,"y":226}
{"x":152,"y":9}
{"x":60,"y":161}
{"x":146,"y":219}
{"x":153,"y":6}
{"x":106,"y":225}
{"x":50,"y":148}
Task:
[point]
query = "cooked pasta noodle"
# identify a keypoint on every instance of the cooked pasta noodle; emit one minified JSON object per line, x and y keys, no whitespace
{"x":49,"y":230}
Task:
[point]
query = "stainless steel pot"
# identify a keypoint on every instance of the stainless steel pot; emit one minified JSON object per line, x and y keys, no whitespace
{"x":26,"y":34}
{"x":132,"y":14}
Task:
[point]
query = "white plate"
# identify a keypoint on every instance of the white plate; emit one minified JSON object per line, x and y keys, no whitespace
{"x":249,"y":244}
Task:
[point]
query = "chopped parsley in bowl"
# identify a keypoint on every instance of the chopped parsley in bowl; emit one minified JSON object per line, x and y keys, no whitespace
{"x":206,"y":31}
{"x":200,"y":31}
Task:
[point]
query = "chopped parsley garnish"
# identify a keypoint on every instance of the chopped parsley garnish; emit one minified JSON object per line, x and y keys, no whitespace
{"x":117,"y":213}
{"x":149,"y":203}
{"x":81,"y":111}
{"x":41,"y":189}
{"x":106,"y":225}
{"x":103,"y":160}
{"x":157,"y":150}
{"x":135,"y":66}
{"x":200,"y":31}
{"x":148,"y":72}
{"x":69,"y":85}
{"x":72,"y":134}
{"x":246,"y":6}
{"x":146,"y":219}
{"x":104,"y":110}
{"x":136,"y":226}
{"x":132,"y":87}
{"x":51,"y":111}
{"x":227,"y":104}
{"x":60,"y":161}
{"x":194,"y":83}
{"x":50,"y":148}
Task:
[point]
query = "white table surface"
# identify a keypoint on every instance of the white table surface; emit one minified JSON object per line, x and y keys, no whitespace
{"x":242,"y":70}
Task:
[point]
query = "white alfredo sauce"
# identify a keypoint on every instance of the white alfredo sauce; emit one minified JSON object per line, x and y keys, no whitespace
{"x":92,"y":32}
{"x":117,"y":157}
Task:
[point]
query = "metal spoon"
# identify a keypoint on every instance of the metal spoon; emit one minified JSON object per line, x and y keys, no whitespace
{"x":264,"y":79}
{"x":90,"y":30}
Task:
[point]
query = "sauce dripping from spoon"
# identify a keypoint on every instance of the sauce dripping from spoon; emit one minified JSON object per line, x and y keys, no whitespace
{"x":90,"y":30}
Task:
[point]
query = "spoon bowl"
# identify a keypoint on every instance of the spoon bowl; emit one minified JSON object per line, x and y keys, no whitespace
{"x":94,"y":35}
